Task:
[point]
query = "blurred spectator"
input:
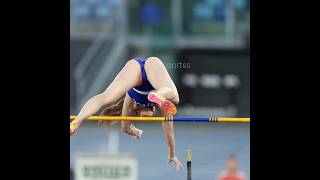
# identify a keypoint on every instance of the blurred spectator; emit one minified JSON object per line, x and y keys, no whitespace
{"x":151,"y":14}
{"x":232,"y":172}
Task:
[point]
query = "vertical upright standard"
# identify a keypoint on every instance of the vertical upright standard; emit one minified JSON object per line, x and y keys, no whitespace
{"x":189,"y":158}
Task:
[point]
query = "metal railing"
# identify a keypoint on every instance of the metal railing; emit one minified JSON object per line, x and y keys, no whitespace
{"x":107,"y":46}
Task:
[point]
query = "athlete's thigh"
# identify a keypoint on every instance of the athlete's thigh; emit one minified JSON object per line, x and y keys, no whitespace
{"x":157,"y":74}
{"x":126,"y":79}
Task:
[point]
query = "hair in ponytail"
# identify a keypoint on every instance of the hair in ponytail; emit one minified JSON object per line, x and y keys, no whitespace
{"x":114,"y":110}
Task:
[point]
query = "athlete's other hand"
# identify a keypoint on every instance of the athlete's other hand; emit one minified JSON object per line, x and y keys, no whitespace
{"x":176,"y":161}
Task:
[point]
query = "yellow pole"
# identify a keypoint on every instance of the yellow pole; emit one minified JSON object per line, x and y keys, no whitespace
{"x":121,"y":118}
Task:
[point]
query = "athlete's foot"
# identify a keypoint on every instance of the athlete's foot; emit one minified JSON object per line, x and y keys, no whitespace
{"x":164,"y":104}
{"x":138,"y":136}
{"x":73,"y":127}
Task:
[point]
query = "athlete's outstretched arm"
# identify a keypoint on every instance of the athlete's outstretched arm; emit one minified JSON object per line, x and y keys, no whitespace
{"x":170,"y":139}
{"x":127,"y":78}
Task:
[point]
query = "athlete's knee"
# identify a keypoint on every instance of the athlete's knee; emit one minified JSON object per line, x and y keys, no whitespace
{"x":175,"y":96}
{"x":172,"y":93}
{"x":176,"y":100}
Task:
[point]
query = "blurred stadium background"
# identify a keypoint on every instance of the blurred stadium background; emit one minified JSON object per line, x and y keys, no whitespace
{"x":205,"y":47}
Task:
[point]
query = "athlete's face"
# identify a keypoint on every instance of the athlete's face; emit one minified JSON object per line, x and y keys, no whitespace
{"x":144,"y":111}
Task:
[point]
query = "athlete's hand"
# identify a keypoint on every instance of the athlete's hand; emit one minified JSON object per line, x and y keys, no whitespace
{"x":176,"y":161}
{"x":73,"y":127}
